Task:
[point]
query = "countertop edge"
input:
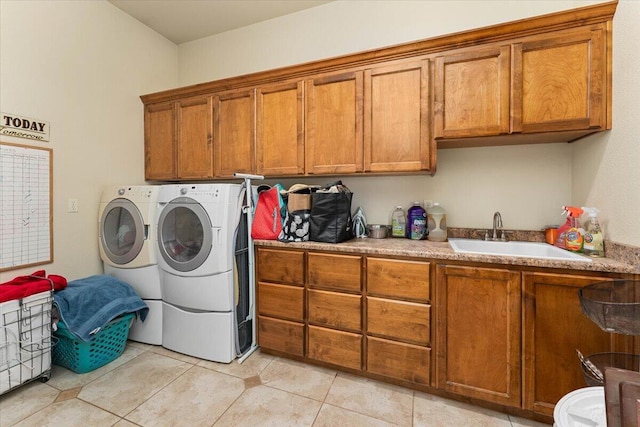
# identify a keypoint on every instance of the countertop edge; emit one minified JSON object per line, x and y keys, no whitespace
{"x":443,"y":251}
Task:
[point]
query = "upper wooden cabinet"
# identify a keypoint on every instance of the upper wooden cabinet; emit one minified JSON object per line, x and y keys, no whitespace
{"x":280,"y":129}
{"x":472,"y":93}
{"x":334,"y":125}
{"x":538,"y":80}
{"x":560,"y":82}
{"x":178,"y":140}
{"x":396,"y":118}
{"x":553,"y":85}
{"x":195,"y":142}
{"x":160,"y":161}
{"x":235,"y":133}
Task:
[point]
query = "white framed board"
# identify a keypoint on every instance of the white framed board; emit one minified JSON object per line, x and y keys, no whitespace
{"x":26,"y":223}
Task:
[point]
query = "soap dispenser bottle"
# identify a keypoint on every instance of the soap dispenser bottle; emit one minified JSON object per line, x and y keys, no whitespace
{"x":593,"y":237}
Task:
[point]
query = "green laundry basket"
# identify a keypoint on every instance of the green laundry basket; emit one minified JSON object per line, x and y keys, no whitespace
{"x":82,"y":357}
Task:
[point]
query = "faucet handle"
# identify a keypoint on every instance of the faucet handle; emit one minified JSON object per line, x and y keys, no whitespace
{"x":485,"y":231}
{"x":503,"y":236}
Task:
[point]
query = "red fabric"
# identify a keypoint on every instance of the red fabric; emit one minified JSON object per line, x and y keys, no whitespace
{"x":267,"y":220}
{"x":23,"y":286}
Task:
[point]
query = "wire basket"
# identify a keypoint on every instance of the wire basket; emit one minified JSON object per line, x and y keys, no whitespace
{"x":613,"y":305}
{"x":82,"y":357}
{"x":630,"y":362}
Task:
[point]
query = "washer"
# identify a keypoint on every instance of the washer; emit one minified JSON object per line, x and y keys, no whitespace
{"x":197,"y":231}
{"x":127,"y":244}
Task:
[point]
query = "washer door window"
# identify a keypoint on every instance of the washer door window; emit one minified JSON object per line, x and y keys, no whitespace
{"x":184,"y":234}
{"x":123,"y":231}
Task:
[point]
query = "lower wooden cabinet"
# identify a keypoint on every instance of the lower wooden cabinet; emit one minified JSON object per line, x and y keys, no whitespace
{"x":399,"y":360}
{"x":281,"y":300}
{"x":554,"y":327}
{"x":336,"y":347}
{"x":281,"y":335}
{"x":335,"y":310}
{"x":498,"y":334}
{"x":478,"y":330}
{"x":401,"y":320}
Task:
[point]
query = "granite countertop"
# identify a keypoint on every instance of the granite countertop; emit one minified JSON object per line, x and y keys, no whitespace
{"x":443,"y":251}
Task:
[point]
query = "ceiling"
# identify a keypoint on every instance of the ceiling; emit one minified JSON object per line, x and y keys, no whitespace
{"x":185,"y":20}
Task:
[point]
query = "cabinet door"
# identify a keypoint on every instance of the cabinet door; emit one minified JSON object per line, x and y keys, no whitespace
{"x":159,"y":141}
{"x":337,"y":347}
{"x":280,"y":129}
{"x":339,"y":272}
{"x":334,"y":124}
{"x":195,"y":133}
{"x":478,"y":333}
{"x":560,"y":82}
{"x":281,"y":335}
{"x":554,"y":327}
{"x":278,"y":266}
{"x":399,"y":320}
{"x":472,"y":93}
{"x":235,"y":133}
{"x":397,"y":278}
{"x":396,"y":118}
{"x":335,"y":310}
{"x":399,"y":360}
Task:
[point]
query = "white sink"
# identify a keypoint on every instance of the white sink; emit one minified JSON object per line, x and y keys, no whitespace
{"x":517,"y":249}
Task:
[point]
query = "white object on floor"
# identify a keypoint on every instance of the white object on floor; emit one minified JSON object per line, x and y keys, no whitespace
{"x":584,"y":407}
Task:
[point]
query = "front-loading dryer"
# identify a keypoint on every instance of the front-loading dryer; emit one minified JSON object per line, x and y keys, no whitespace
{"x":197,"y":228}
{"x":127,"y":244}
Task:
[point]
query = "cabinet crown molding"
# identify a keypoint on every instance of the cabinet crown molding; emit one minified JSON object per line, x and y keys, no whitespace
{"x":536,"y":25}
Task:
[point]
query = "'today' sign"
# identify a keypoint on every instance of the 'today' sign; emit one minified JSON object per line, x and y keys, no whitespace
{"x":24,"y":127}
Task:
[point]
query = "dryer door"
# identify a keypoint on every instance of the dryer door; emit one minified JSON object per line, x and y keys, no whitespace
{"x":122,"y":231}
{"x":184,"y":234}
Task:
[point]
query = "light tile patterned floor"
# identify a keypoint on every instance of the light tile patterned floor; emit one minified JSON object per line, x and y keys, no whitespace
{"x":152,"y":386}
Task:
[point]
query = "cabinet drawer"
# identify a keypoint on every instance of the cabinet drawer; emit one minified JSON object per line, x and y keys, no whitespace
{"x":280,"y":266}
{"x":341,"y":272}
{"x":398,"y":279}
{"x":281,"y":335}
{"x":335,"y":310}
{"x":286,"y":302}
{"x":406,"y":321}
{"x":397,"y":360}
{"x":336,"y":347}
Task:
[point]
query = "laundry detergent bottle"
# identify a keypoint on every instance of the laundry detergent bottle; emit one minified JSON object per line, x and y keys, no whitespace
{"x":417,"y":224}
{"x":593,"y":237}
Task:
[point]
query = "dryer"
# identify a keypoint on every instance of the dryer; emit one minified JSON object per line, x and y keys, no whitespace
{"x":127,"y":244}
{"x":197,"y":237}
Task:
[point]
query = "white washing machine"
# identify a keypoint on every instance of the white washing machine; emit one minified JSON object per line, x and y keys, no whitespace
{"x":127,"y":242}
{"x":197,"y":226}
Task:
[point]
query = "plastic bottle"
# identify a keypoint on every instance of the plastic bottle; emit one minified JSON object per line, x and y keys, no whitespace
{"x":398,"y":222}
{"x":593,"y":236}
{"x":417,"y":224}
{"x":437,"y":223}
{"x":569,"y":234}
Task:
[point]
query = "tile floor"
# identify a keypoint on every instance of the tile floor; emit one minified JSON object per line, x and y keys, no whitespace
{"x":152,"y":386}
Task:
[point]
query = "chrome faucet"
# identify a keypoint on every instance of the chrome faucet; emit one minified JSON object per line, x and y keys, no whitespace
{"x":497,"y":225}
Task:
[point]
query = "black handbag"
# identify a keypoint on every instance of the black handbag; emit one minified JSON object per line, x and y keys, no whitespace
{"x":330,"y":219}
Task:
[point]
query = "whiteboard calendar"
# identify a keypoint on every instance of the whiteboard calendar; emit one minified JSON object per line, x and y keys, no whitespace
{"x":25,"y":203}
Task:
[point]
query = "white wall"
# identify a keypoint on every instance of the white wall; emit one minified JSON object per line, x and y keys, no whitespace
{"x":527,"y":184}
{"x":606,"y":167}
{"x":81,"y":65}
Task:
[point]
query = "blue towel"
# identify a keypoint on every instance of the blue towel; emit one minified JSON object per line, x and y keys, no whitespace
{"x":87,"y":305}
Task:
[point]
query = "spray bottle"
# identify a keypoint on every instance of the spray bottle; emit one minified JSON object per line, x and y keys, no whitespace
{"x":569,"y":234}
{"x":593,"y":236}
